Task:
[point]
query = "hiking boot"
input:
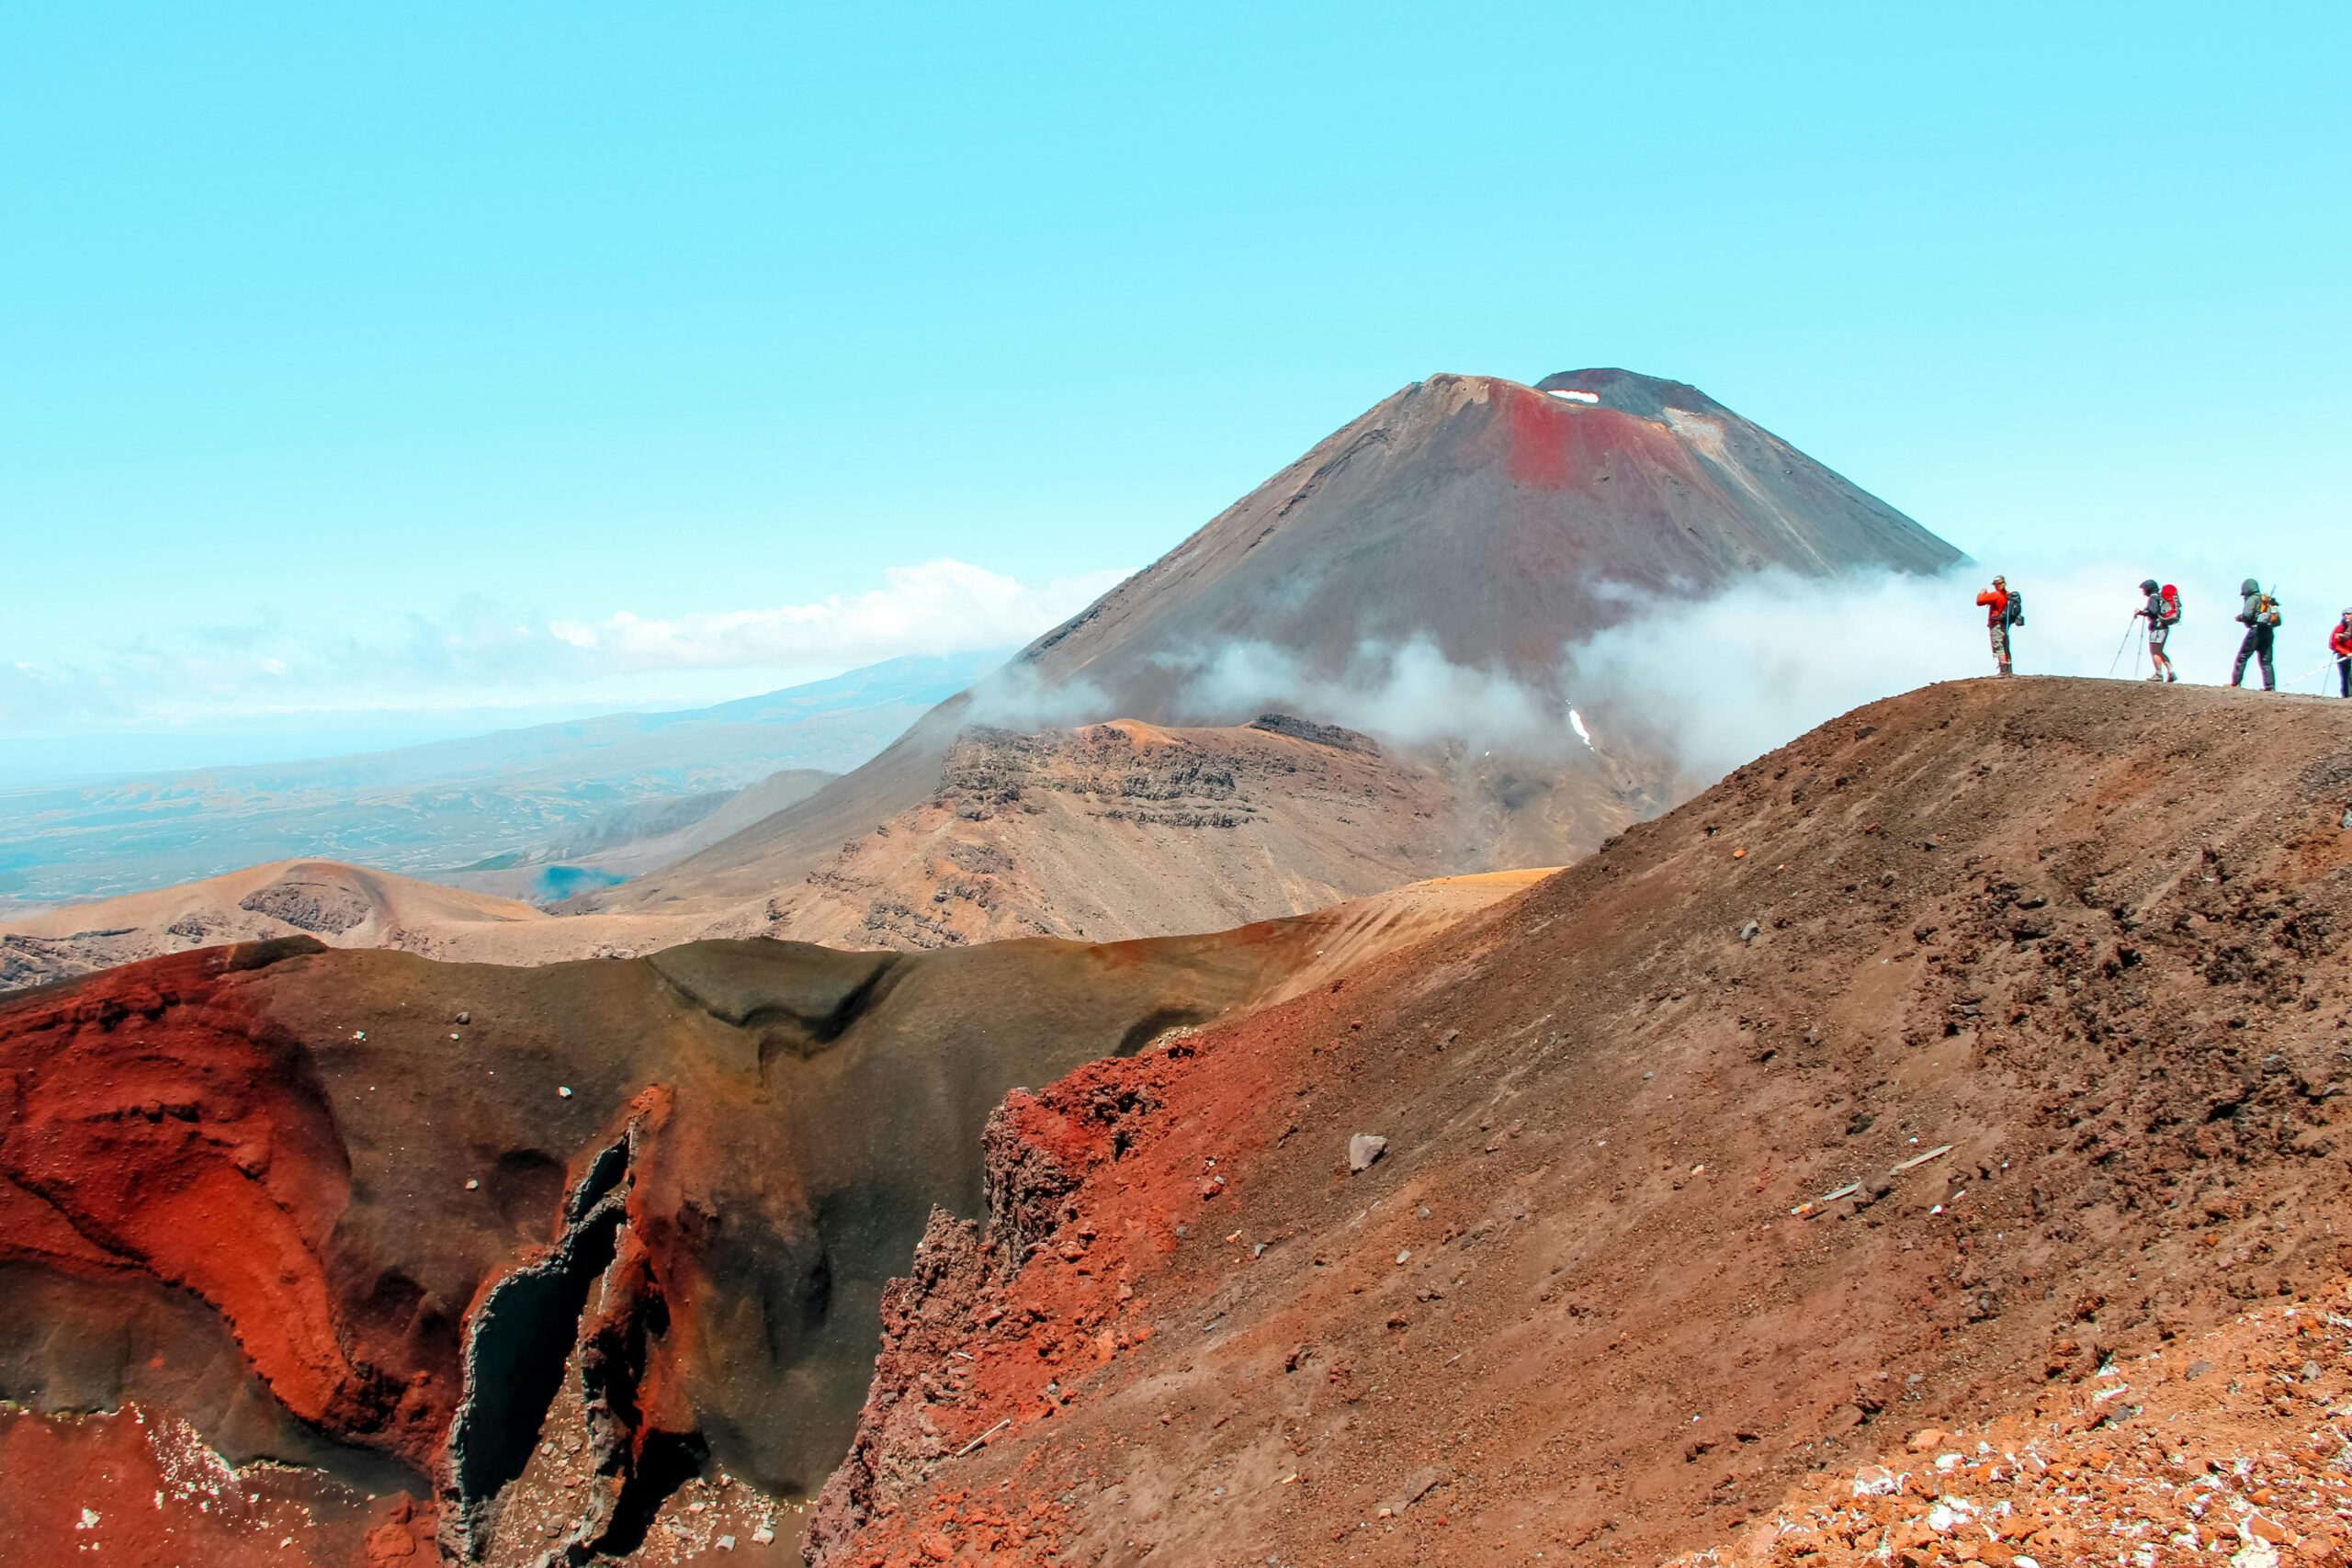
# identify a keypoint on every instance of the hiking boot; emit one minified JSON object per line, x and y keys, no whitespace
{"x":2158,"y":676}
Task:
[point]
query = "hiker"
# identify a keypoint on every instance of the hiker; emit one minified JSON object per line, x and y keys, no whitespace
{"x":2162,"y":613}
{"x":2258,"y":614}
{"x":2002,"y":610}
{"x":2339,"y":643}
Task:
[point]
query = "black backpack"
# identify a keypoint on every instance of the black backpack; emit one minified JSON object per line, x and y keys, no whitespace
{"x":2016,"y":612}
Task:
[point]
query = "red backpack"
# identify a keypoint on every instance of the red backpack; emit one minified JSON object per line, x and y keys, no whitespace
{"x":2168,"y":604}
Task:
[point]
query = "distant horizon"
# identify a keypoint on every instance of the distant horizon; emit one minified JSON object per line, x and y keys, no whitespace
{"x":20,"y":771}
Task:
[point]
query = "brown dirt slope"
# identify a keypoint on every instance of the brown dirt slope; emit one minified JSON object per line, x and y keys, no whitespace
{"x":1493,"y":520}
{"x":1970,"y":1042}
{"x":342,"y":905}
{"x":1112,"y":829}
{"x":524,"y":1257}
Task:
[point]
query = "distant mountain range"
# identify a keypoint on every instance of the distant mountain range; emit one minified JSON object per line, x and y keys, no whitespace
{"x":517,"y":796}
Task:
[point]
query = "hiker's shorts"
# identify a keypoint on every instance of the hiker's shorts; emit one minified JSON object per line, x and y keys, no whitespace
{"x":1999,"y":632}
{"x":2156,"y":636}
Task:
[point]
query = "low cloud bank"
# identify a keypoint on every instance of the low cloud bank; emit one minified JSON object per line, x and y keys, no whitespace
{"x":1722,"y":679}
{"x":1714,"y":682}
{"x":1406,"y":691}
{"x":1016,"y":697}
{"x":1710,"y":682}
{"x":941,"y":607}
{"x":480,"y":654}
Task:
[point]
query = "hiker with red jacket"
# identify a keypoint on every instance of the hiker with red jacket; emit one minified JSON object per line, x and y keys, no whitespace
{"x":2339,"y":643}
{"x":2258,"y":614}
{"x":2002,"y":610}
{"x":2162,"y":613}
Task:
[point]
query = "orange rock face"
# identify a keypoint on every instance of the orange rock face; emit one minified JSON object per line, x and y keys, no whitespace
{"x":169,"y":1130}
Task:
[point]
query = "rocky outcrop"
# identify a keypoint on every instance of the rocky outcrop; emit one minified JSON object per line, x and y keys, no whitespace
{"x":1108,"y":830}
{"x":319,"y":905}
{"x":1044,"y":1291}
{"x":926,"y":1317}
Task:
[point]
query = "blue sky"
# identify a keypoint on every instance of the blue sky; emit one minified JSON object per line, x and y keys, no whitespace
{"x":346,"y":353}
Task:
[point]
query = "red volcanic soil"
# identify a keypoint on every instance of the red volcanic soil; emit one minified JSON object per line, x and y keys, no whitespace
{"x":143,"y":1488}
{"x":161,"y":1126}
{"x":1922,"y":1073}
{"x":1554,"y":444}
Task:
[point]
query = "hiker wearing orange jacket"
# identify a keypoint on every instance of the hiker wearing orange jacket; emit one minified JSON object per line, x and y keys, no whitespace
{"x":2339,"y":643}
{"x":1995,"y":601}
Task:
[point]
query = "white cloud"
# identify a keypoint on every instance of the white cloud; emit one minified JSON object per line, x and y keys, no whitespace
{"x":1406,"y":691}
{"x":1015,"y":697}
{"x":481,"y":655}
{"x":1721,"y":680}
{"x":1714,"y":682}
{"x":941,"y":607}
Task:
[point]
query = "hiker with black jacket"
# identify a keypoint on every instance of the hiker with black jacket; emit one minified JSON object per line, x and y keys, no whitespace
{"x":2258,"y":614}
{"x":2162,"y":613}
{"x":2002,"y":610}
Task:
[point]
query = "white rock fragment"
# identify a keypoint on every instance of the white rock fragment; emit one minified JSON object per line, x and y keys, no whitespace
{"x":1876,"y":1481}
{"x":564,"y":1090}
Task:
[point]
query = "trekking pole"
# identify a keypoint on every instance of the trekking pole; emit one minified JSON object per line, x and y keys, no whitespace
{"x":2129,"y":627}
{"x":2307,"y":674}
